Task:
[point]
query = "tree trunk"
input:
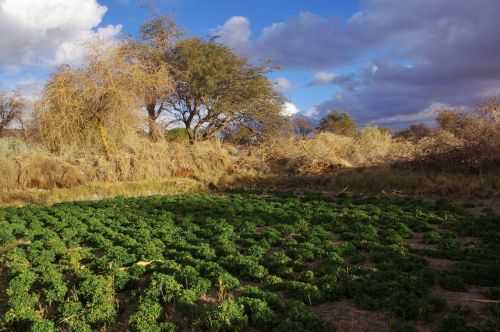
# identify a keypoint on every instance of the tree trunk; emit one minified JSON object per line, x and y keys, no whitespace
{"x":104,"y":140}
{"x":191,"y":137}
{"x":154,"y":129}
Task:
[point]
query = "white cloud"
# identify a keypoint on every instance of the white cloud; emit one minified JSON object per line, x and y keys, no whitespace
{"x":313,"y":112}
{"x":324,"y":77}
{"x":235,"y":33}
{"x":427,"y":115}
{"x":282,"y":84}
{"x":289,"y":109}
{"x":74,"y":51}
{"x":403,"y":55}
{"x":47,"y":32}
{"x":30,"y":88}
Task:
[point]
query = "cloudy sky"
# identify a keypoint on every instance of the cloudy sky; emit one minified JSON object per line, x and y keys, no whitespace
{"x":388,"y":62}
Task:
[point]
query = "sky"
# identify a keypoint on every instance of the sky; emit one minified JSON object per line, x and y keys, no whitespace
{"x":386,"y":62}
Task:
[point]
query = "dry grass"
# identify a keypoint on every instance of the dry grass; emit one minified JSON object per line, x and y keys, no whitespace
{"x":98,"y":191}
{"x":40,"y":176}
{"x":327,"y":152}
{"x":368,"y":163}
{"x":376,"y":180}
{"x":11,"y":147}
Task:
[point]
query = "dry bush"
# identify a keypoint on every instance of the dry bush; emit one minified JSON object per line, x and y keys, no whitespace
{"x":93,"y":107}
{"x":149,"y":160}
{"x":303,"y":156}
{"x":327,"y":152}
{"x":466,"y":141}
{"x":140,"y":161}
{"x":40,"y":171}
{"x":373,"y":146}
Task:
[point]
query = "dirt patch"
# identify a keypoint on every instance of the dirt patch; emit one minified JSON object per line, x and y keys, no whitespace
{"x":481,"y":205}
{"x":347,"y":318}
{"x":212,"y":298}
{"x":470,"y":241}
{"x":440,"y":264}
{"x":474,"y":299}
{"x":417,"y":242}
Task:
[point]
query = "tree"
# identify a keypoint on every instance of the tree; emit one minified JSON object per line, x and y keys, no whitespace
{"x":339,"y":123}
{"x":490,"y":110}
{"x":302,"y":126}
{"x":11,"y":108}
{"x":92,"y":106}
{"x":450,"y":121}
{"x":158,"y":37}
{"x":216,"y":89}
{"x":415,"y":131}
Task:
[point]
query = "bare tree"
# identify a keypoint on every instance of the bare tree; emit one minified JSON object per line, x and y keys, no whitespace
{"x":11,"y":108}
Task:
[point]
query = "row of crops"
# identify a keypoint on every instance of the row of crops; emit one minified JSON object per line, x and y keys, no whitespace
{"x":241,"y":262}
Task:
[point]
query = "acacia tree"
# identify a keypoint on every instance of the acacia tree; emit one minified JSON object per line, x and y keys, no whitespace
{"x":157,"y":37}
{"x":339,"y":123}
{"x":216,"y":89}
{"x":11,"y":107}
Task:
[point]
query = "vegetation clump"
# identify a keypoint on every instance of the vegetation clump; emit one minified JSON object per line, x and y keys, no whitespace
{"x":238,"y":262}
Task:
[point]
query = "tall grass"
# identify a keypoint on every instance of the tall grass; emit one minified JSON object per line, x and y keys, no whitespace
{"x":12,"y":147}
{"x":328,"y":152}
{"x":368,"y":162}
{"x":141,"y":161}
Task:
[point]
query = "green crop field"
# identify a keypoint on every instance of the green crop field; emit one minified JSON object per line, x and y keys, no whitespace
{"x":243,"y":262}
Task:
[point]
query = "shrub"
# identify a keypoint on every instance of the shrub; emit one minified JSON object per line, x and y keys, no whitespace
{"x":145,"y":319}
{"x":229,"y":315}
{"x":258,"y":311}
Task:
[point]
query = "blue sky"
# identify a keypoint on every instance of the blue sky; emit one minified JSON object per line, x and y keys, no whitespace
{"x":199,"y":18}
{"x":386,"y":62}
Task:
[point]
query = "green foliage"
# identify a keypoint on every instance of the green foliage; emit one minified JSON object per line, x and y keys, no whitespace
{"x":98,"y":296}
{"x":339,"y":123}
{"x":176,"y":135}
{"x":22,"y":301}
{"x":259,"y":312}
{"x":43,"y":326}
{"x":227,"y":316}
{"x":163,"y":287}
{"x":232,"y":262}
{"x":211,"y":79}
{"x":146,"y":317}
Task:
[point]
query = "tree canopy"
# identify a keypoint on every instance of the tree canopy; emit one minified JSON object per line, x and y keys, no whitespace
{"x":216,"y":89}
{"x":150,"y":52}
{"x":339,"y":123}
